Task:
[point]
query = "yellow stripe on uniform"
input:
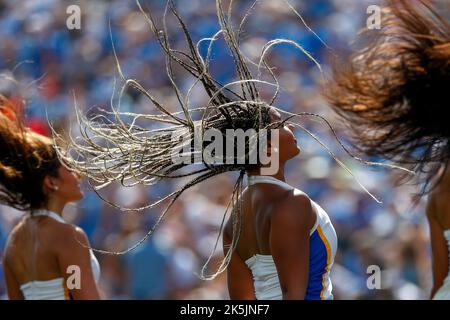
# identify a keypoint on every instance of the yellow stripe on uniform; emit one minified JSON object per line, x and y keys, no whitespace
{"x":327,"y":246}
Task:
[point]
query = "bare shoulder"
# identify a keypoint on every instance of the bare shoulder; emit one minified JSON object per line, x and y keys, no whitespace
{"x":14,"y":236}
{"x":70,"y":235}
{"x":294,"y":208}
{"x":16,"y":230}
{"x":438,"y":198}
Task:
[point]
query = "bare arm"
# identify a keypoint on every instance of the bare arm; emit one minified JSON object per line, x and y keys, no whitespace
{"x":439,"y":248}
{"x":12,"y":286}
{"x":289,"y":244}
{"x":239,"y":276}
{"x":72,"y":253}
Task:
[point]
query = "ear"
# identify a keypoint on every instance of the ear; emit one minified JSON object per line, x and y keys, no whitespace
{"x":49,"y":183}
{"x":273,"y":148}
{"x":269,"y":148}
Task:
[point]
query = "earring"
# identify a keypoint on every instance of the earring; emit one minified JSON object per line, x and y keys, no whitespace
{"x":55,"y":188}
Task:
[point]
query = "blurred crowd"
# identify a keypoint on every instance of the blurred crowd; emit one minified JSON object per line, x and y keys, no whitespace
{"x":54,"y":65}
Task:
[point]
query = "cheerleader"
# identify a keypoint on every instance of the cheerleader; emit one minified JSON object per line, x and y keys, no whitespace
{"x":394,"y":99}
{"x":287,"y":244}
{"x":45,"y":257}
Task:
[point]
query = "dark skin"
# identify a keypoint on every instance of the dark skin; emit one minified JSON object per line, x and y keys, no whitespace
{"x":438,"y":214}
{"x":276,"y":222}
{"x":41,"y":248}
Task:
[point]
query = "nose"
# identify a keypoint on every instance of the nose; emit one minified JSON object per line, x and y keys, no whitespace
{"x":291,"y":127}
{"x":78,"y":176}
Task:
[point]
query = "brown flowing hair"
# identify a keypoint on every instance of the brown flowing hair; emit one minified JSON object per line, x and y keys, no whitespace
{"x":393,"y":93}
{"x":26,"y":158}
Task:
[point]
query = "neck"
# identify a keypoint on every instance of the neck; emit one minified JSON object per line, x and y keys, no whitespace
{"x":278,"y":175}
{"x":55,"y":206}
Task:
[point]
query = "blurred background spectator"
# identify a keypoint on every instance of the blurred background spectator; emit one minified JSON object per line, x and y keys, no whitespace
{"x":53,"y":64}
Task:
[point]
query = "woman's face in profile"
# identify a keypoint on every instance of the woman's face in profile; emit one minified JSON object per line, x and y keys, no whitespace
{"x":69,"y":185}
{"x":287,"y":148}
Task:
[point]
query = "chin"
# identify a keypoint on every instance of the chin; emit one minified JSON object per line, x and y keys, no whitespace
{"x":294,"y":154}
{"x":79,"y":196}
